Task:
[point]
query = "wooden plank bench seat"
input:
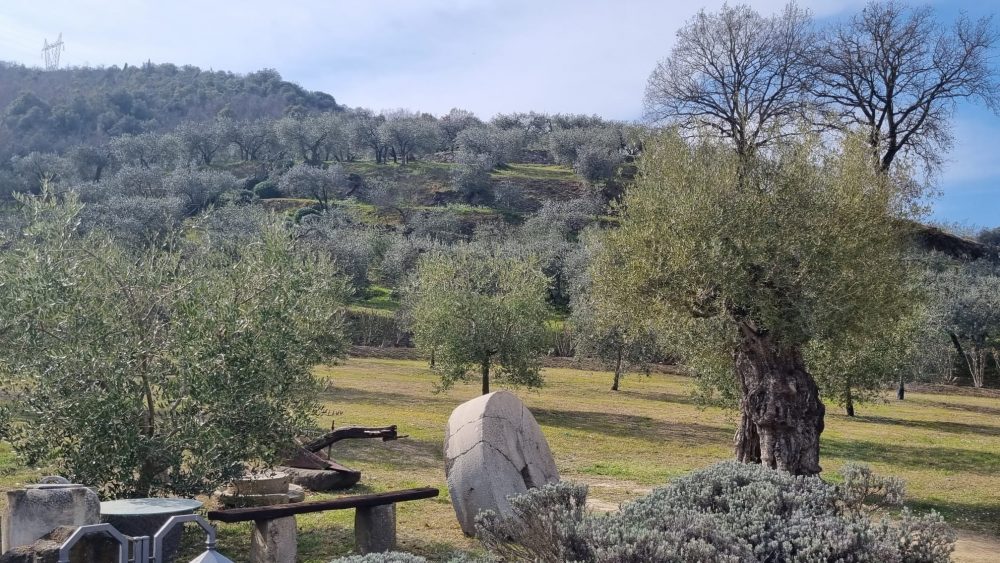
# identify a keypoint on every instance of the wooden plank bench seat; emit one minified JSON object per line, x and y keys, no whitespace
{"x":274,"y":533}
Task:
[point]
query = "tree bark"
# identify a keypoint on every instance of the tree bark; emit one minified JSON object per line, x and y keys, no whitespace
{"x":781,"y":415}
{"x":901,"y":390}
{"x":848,"y":400}
{"x":618,"y":371}
{"x":486,"y":377}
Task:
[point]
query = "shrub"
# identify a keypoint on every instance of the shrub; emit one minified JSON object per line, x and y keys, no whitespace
{"x":370,"y":327}
{"x":545,"y":524}
{"x":268,"y":189}
{"x":728,"y":512}
{"x":922,"y":539}
{"x":864,"y":490}
{"x":388,"y":557}
{"x":303,"y":212}
{"x":472,"y":178}
{"x":199,"y":188}
{"x":596,"y":164}
{"x":497,"y":145}
{"x":135,"y":220}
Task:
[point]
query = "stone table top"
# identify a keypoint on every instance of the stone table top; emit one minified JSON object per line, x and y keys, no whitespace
{"x":149,"y":506}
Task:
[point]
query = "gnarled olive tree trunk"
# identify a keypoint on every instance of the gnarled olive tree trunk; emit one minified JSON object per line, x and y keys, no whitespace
{"x":781,"y":415}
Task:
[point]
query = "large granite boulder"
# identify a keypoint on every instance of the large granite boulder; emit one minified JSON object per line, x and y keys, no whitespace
{"x":493,"y":449}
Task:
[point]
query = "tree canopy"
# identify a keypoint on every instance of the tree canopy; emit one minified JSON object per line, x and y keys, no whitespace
{"x":159,"y":369}
{"x":481,"y":311}
{"x":754,"y":265}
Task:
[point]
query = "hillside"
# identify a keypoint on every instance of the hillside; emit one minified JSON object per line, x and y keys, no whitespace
{"x":51,"y":110}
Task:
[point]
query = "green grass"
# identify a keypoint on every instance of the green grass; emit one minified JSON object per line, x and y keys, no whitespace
{"x":946,"y":447}
{"x":431,"y":172}
{"x":381,"y":298}
{"x":550,"y":172}
{"x":12,"y":473}
{"x":458,"y":208}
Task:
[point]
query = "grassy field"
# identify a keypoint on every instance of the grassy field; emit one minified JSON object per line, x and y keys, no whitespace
{"x":946,"y":447}
{"x":537,"y":172}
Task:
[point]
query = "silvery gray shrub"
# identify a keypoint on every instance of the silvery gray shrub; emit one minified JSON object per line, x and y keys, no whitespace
{"x":728,"y":512}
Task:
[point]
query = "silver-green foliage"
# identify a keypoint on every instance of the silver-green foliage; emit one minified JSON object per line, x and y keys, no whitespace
{"x":477,"y":307}
{"x":159,"y":369}
{"x":728,"y":512}
{"x":862,"y":489}
{"x":388,"y":557}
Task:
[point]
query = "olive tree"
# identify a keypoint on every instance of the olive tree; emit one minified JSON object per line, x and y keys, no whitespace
{"x":161,"y":369}
{"x":471,"y":177}
{"x":857,"y":367}
{"x":146,"y":150}
{"x":90,"y":161}
{"x":322,"y":185}
{"x":199,"y":188}
{"x":303,"y":137}
{"x":480,"y":308}
{"x":406,"y":134}
{"x":972,"y":319}
{"x":498,"y":145}
{"x":36,"y":170}
{"x":200,"y":142}
{"x":747,"y":263}
{"x":365,"y":130}
{"x":252,"y":138}
{"x":453,"y":123}
{"x":621,"y":345}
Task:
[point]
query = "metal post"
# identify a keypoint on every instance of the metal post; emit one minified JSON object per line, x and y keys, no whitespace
{"x":82,"y":531}
{"x":210,"y":555}
{"x":140,"y":549}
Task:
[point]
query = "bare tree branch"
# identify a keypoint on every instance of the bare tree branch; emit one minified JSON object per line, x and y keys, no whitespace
{"x":897,"y":73}
{"x":737,"y":73}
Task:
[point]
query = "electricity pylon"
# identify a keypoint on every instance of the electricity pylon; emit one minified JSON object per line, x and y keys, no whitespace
{"x":51,"y":52}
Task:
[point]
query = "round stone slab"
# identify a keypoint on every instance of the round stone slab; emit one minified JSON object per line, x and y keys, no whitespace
{"x":494,"y":449}
{"x":144,"y":517}
{"x":149,"y":506}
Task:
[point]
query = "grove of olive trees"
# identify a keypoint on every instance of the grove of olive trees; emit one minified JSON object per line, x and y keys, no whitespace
{"x":182,"y":252}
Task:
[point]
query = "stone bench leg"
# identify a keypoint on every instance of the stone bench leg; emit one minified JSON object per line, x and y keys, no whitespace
{"x":375,"y":528}
{"x":274,"y":541}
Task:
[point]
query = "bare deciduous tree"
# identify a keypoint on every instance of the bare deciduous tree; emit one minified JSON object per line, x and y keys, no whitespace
{"x":741,"y":75}
{"x":896,"y":72}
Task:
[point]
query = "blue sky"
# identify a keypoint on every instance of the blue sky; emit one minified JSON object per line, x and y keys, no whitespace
{"x":487,"y":56}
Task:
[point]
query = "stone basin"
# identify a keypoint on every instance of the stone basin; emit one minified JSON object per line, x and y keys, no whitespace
{"x":265,"y":483}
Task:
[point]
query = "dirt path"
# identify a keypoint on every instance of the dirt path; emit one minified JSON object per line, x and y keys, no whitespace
{"x":976,"y":548}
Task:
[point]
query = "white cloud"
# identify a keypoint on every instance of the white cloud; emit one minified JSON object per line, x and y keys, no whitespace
{"x":485,"y":55}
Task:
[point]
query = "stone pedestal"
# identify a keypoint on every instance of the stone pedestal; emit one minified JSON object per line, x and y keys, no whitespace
{"x":93,"y":548}
{"x":274,"y":541}
{"x":375,"y":529}
{"x":34,"y":512}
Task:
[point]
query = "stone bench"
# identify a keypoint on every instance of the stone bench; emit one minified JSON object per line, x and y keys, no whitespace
{"x":274,"y":536}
